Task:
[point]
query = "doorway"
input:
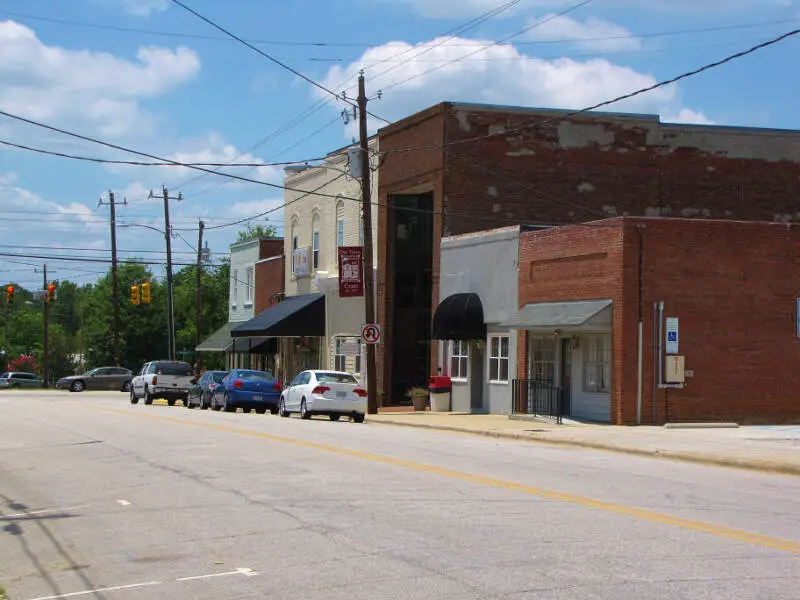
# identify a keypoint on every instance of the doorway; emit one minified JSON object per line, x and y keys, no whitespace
{"x":566,"y":375}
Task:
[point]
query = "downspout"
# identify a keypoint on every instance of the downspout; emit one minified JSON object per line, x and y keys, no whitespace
{"x":639,"y":229}
{"x":654,"y":348}
{"x":660,"y":357}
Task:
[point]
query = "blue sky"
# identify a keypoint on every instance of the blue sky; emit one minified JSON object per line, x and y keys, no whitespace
{"x":210,"y":100}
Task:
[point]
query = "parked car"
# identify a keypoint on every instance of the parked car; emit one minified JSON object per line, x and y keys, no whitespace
{"x":169,"y":379}
{"x":332,"y":393}
{"x":20,"y":379}
{"x":247,"y":389}
{"x":102,"y":378}
{"x":202,"y":390}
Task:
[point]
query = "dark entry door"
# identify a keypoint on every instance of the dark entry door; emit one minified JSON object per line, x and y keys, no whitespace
{"x":566,"y":376}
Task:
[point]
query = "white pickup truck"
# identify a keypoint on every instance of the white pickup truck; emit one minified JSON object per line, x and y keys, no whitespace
{"x":166,"y":379}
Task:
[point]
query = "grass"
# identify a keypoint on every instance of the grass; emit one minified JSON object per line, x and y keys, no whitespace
{"x":3,"y":595}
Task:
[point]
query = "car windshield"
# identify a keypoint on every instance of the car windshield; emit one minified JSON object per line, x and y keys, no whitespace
{"x":336,"y":378}
{"x":251,"y":375}
{"x":174,"y":368}
{"x":4,"y":376}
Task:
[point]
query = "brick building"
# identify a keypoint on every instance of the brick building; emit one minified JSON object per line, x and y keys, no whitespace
{"x":458,"y":168}
{"x":732,"y":286}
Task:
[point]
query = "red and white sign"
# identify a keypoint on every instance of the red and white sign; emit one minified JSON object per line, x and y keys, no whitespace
{"x":371,"y":333}
{"x":351,"y":271}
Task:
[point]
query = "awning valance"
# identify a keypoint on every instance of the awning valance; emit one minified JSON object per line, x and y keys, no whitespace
{"x":217,"y":341}
{"x":254,"y":345}
{"x":459,"y":317}
{"x":551,"y":315}
{"x":294,"y":316}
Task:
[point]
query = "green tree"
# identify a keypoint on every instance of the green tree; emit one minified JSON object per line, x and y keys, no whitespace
{"x":253,"y":232}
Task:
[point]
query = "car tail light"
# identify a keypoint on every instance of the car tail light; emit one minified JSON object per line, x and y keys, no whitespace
{"x":155,"y":379}
{"x":360,"y":393}
{"x":211,"y":386}
{"x":238,"y":384}
{"x":320,"y":389}
{"x":276,"y":386}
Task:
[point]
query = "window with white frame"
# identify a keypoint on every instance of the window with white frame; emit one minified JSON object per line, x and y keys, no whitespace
{"x":361,"y":230}
{"x":294,"y":247}
{"x":596,"y":363}
{"x":498,"y":358}
{"x":358,"y":356}
{"x":250,"y":285}
{"x":459,"y":359}
{"x":542,"y":357}
{"x":339,"y":359}
{"x":339,"y":224}
{"x":315,"y":248}
{"x":235,"y":285}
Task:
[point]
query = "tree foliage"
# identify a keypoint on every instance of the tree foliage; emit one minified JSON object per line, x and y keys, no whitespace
{"x":253,"y":232}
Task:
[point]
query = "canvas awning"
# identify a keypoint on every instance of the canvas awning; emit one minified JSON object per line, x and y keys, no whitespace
{"x":254,"y":345}
{"x":294,"y":316}
{"x":563,"y":315}
{"x":217,"y":341}
{"x":459,"y":317}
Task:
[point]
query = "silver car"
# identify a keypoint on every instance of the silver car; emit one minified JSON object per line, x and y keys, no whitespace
{"x":102,"y":378}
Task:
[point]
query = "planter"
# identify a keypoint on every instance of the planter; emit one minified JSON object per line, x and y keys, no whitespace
{"x":420,"y":402}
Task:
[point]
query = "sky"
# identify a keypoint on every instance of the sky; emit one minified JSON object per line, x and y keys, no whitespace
{"x":150,"y":76}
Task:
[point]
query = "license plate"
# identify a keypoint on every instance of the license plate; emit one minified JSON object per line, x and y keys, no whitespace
{"x":341,"y":394}
{"x":256,"y":397}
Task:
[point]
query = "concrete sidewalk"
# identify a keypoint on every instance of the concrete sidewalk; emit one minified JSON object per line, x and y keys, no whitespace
{"x":764,"y":448}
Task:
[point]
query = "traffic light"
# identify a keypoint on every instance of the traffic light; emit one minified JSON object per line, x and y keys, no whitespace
{"x":10,"y":295}
{"x":146,"y":292}
{"x":135,"y":294}
{"x":51,"y":293}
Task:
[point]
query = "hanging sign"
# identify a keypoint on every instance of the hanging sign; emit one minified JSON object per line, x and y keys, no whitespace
{"x":351,"y":271}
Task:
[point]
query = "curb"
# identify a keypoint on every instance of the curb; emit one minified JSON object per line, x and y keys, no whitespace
{"x":693,"y":457}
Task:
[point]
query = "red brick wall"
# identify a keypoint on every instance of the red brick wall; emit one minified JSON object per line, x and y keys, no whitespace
{"x":733,"y":285}
{"x":270,"y":247}
{"x":269,"y":282}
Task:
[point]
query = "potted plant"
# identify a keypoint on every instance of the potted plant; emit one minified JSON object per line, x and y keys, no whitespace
{"x":419,"y":398}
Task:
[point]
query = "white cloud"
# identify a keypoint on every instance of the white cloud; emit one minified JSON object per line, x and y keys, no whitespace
{"x":139,"y":8}
{"x":687,"y":115}
{"x":588,"y":34}
{"x":458,"y":9}
{"x":254,"y":207}
{"x":95,"y":89}
{"x":505,"y":76}
{"x":8,"y":178}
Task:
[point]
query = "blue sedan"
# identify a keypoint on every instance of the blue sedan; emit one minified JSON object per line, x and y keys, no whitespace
{"x":249,"y":390}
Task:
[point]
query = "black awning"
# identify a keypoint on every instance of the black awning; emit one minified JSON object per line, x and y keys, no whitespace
{"x":295,"y":316}
{"x":254,"y":345}
{"x":459,"y":317}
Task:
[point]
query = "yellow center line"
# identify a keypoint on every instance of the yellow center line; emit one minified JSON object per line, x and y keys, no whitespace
{"x":700,"y":526}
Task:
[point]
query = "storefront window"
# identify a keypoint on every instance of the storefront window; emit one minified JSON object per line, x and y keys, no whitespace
{"x":498,"y":358}
{"x":459,"y":359}
{"x":596,"y":363}
{"x":542,"y":357}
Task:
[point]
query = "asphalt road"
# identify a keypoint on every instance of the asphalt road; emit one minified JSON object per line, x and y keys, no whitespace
{"x":101,"y":499}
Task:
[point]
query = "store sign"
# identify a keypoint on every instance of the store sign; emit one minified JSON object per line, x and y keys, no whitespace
{"x":350,"y":348}
{"x":351,"y":271}
{"x":301,"y":262}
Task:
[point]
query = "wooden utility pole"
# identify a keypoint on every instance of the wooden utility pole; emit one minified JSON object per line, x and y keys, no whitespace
{"x":369,"y":282}
{"x":114,"y":277}
{"x":198,"y":296}
{"x":45,"y":358}
{"x":168,"y":237}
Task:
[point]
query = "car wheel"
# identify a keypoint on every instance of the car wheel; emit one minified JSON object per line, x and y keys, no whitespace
{"x":282,"y":410}
{"x":273,"y":410}
{"x":246,"y":411}
{"x":304,"y":414}
{"x":334,"y":417}
{"x":203,"y":404}
{"x":188,"y":403}
{"x":126,"y":387}
{"x":358,"y":417}
{"x":261,"y":411}
{"x":226,"y":406}
{"x":134,"y":399}
{"x":77,"y":386}
{"x":148,"y":399}
{"x":171,"y":401}
{"x":214,"y":405}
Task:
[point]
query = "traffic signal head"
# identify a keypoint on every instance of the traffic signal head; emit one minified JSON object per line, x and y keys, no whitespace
{"x":10,"y":294}
{"x":135,"y":294}
{"x":146,"y":292}
{"x":51,"y":293}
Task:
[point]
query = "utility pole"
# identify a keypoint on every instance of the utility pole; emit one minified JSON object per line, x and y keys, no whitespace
{"x":369,"y":282}
{"x":114,"y":280}
{"x":45,"y":358}
{"x":168,"y":237}
{"x":198,"y":296}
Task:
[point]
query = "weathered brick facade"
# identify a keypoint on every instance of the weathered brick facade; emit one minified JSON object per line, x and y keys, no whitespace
{"x":269,"y":282}
{"x":493,"y":166}
{"x":733,"y":285}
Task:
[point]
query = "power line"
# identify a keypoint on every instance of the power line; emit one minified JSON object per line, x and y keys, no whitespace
{"x":97,"y":260}
{"x":152,"y":156}
{"x":152,"y":164}
{"x":638,"y":92}
{"x":334,"y":44}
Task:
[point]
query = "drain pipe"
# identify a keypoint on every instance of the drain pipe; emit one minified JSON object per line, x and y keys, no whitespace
{"x":639,"y":229}
{"x":660,"y":343}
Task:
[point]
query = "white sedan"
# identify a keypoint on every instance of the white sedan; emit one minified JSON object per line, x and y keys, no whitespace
{"x":319,"y":392}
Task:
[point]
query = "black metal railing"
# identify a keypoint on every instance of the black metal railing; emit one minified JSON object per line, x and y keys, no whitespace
{"x":537,"y":398}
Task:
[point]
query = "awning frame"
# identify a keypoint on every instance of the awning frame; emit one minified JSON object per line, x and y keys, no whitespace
{"x":459,"y":317}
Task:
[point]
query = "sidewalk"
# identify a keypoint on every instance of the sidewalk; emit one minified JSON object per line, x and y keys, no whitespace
{"x":764,"y":448}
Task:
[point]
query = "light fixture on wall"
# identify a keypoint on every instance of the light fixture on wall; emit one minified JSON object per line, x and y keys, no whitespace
{"x":576,"y":341}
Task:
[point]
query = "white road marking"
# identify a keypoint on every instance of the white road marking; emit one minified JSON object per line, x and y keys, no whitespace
{"x":124,"y":502}
{"x":98,"y":590}
{"x":42,"y":512}
{"x":240,"y":571}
